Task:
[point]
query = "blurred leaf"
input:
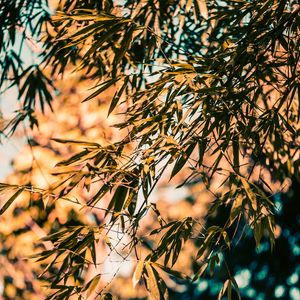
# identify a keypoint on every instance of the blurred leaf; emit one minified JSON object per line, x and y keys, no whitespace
{"x":107,"y":296}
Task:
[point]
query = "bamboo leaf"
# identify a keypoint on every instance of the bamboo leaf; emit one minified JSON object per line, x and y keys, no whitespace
{"x":236,"y":208}
{"x":226,"y":238}
{"x":201,"y":271}
{"x":224,"y":288}
{"x":170,"y":271}
{"x":102,"y":87}
{"x":118,"y":199}
{"x":152,"y":282}
{"x":107,"y":241}
{"x":183,"y":159}
{"x":76,"y":142}
{"x":249,"y":192}
{"x":138,"y":272}
{"x":118,"y":95}
{"x":91,"y":285}
{"x":130,"y":198}
{"x":9,"y":202}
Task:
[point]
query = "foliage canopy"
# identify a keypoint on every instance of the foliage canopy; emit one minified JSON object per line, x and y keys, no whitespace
{"x":205,"y":92}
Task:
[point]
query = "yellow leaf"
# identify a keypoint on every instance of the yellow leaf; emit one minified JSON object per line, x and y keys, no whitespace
{"x":130,"y":197}
{"x":236,"y":208}
{"x":152,"y":283}
{"x":249,"y":192}
{"x":227,"y":44}
{"x":138,"y":273}
{"x":146,"y":169}
{"x":224,"y":288}
{"x":91,"y":286}
{"x":11,"y":200}
{"x":107,"y":241}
